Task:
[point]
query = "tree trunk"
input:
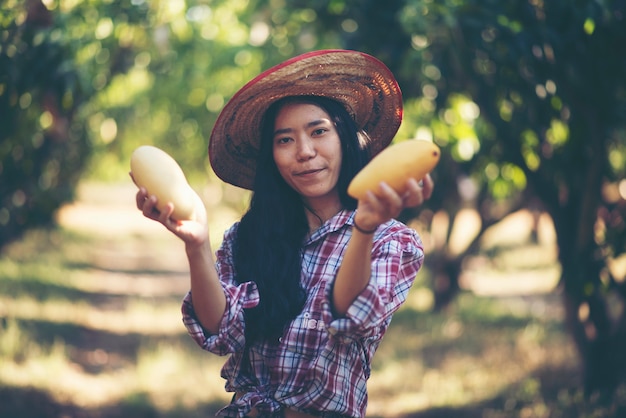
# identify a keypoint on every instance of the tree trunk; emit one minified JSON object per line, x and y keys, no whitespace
{"x":589,"y":294}
{"x":599,"y":338}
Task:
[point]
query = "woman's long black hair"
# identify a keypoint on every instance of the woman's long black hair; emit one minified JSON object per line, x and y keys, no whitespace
{"x":271,"y":233}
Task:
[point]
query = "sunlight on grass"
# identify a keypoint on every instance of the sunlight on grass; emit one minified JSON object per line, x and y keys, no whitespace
{"x":172,"y":376}
{"x":137,"y":316}
{"x":474,"y":352}
{"x":63,"y":321}
{"x":162,"y":372}
{"x":13,"y":342}
{"x":61,"y":378}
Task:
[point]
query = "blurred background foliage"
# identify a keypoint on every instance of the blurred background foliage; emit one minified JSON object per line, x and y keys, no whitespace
{"x":526,"y":99}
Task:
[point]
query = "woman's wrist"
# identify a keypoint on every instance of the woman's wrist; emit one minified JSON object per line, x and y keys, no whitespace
{"x":365,"y":231}
{"x":197,"y":248}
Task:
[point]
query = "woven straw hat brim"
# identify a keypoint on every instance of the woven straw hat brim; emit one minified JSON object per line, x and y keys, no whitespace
{"x":364,"y":85}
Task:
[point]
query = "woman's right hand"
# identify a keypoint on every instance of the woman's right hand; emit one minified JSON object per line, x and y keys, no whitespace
{"x":193,"y":232}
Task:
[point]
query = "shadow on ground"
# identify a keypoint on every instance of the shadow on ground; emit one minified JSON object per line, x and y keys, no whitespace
{"x":557,"y":398}
{"x":33,"y":403}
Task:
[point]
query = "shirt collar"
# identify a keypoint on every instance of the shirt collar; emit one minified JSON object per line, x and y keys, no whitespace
{"x":339,"y":220}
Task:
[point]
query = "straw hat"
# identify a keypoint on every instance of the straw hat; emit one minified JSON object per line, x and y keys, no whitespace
{"x":362,"y":83}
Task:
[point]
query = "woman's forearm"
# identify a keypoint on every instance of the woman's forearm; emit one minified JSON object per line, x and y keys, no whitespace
{"x":207,"y":293}
{"x":354,"y":272}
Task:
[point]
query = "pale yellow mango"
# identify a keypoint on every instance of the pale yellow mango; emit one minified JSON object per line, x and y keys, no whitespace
{"x":156,"y":171}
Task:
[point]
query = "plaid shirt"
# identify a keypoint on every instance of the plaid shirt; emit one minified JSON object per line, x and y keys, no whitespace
{"x":321,"y":364}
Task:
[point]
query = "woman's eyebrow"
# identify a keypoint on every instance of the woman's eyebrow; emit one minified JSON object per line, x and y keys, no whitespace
{"x":282,"y":131}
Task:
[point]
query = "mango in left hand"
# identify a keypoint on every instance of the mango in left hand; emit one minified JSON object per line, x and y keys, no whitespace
{"x":413,"y":158}
{"x":156,"y":171}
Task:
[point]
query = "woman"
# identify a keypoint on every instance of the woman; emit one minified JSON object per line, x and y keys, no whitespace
{"x":303,"y":288}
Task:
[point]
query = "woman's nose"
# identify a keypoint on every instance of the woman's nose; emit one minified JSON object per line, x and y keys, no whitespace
{"x":306,"y":149}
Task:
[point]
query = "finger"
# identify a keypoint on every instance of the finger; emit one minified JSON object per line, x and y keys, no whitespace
{"x":414,"y":200}
{"x":391,"y":203}
{"x":414,"y":194}
{"x":369,"y":202}
{"x":370,"y":205}
{"x":389,"y":194}
{"x":141,"y":197}
{"x":413,"y":186}
{"x":149,"y":208}
{"x":428,"y":186}
{"x":165,"y":216}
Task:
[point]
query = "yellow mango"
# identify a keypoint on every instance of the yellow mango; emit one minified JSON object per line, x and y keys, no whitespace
{"x":156,"y":171}
{"x":395,"y":165}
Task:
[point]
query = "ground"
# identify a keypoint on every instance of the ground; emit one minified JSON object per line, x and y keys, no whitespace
{"x":95,"y":314}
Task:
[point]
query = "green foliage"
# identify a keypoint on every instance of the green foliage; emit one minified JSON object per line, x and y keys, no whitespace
{"x":42,"y":149}
{"x":548,"y":80}
{"x":78,"y":77}
{"x":530,"y":67}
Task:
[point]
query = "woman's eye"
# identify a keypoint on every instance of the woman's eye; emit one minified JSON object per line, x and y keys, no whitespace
{"x":319,"y":131}
{"x":282,"y":140}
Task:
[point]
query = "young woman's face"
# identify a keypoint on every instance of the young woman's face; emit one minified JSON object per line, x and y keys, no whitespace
{"x":307,"y":150}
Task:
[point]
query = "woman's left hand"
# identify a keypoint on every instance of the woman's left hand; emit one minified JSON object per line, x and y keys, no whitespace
{"x":376,"y":209}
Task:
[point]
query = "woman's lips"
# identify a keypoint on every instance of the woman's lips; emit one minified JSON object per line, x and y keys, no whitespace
{"x":307,"y":173}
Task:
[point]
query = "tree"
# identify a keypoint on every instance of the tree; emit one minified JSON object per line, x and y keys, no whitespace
{"x":82,"y":84}
{"x":44,"y":139}
{"x":40,"y":150}
{"x":549,"y":81}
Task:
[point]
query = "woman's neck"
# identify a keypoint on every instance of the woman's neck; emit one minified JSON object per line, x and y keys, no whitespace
{"x":318,"y":211}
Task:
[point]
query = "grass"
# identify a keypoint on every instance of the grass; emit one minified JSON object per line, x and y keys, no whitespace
{"x":90,"y":327}
{"x":94,"y":342}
